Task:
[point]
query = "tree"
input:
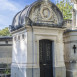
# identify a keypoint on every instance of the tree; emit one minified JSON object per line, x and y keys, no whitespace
{"x":5,"y":32}
{"x":65,"y":8}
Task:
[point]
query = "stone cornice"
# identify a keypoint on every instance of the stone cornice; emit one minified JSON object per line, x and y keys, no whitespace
{"x":74,"y":1}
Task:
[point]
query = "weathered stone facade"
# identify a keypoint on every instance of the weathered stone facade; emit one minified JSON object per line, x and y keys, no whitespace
{"x":39,"y":21}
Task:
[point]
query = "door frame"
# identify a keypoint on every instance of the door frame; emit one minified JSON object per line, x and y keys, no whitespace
{"x":54,"y":43}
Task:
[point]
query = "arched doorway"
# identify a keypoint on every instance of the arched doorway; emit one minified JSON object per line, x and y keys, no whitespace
{"x":46,"y":58}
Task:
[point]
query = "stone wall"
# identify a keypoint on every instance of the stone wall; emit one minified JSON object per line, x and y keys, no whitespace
{"x":5,"y":50}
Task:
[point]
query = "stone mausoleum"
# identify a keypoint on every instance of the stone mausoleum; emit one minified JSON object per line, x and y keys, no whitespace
{"x":44,"y":45}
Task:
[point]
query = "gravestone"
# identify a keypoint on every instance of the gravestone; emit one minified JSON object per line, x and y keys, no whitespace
{"x":38,"y":41}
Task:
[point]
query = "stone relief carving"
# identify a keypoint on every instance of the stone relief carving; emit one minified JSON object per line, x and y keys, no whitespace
{"x":43,"y":13}
{"x":46,"y":13}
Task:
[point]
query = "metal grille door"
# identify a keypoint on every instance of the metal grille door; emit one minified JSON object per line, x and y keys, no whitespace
{"x":46,"y":63}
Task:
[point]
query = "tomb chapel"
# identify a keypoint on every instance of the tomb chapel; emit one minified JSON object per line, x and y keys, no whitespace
{"x":44,"y":45}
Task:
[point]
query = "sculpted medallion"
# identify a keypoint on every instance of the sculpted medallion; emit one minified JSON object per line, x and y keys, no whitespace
{"x":46,"y":13}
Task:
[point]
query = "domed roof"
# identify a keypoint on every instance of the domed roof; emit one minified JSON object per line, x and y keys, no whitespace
{"x":19,"y":19}
{"x":39,"y":13}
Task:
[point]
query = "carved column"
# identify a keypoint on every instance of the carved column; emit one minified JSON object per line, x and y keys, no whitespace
{"x":73,"y":18}
{"x":74,"y":13}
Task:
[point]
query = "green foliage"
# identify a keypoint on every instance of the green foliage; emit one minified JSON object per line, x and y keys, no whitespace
{"x":65,"y":8}
{"x":5,"y":32}
{"x":7,"y":71}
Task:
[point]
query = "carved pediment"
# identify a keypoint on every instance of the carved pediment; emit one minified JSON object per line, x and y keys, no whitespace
{"x":45,"y":13}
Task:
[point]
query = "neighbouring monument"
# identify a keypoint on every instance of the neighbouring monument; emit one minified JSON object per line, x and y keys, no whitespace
{"x":5,"y":54}
{"x":44,"y":45}
{"x":70,"y":45}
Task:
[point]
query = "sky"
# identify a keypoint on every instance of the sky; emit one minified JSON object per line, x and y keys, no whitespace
{"x":9,"y":8}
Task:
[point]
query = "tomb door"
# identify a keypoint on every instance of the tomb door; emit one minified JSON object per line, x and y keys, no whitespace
{"x":46,"y":58}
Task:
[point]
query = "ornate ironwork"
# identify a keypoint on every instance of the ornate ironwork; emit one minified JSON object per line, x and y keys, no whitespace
{"x":46,"y":63}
